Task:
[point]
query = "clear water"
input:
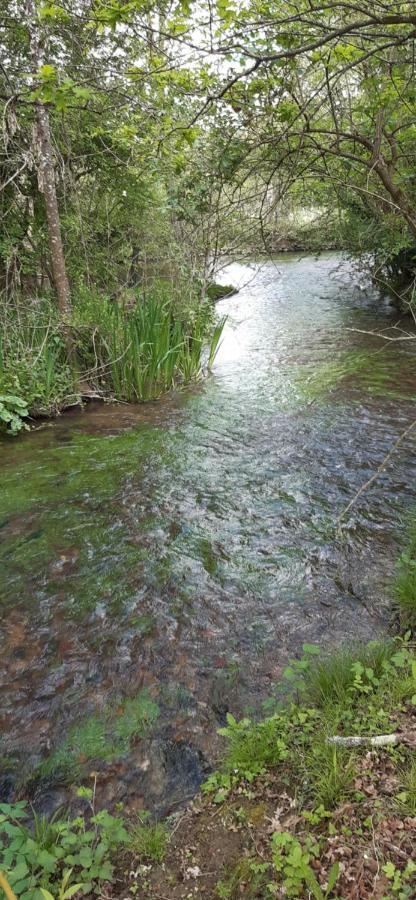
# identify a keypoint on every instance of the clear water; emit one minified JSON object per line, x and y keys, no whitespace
{"x":181,"y":551}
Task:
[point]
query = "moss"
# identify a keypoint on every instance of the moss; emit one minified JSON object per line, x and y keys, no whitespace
{"x":217,"y":292}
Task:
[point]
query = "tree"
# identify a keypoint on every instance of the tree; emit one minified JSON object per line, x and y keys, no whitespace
{"x":46,"y":170}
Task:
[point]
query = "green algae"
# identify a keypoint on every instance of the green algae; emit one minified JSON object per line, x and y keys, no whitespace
{"x":63,"y":520}
{"x":377,"y":373}
{"x":102,"y":737}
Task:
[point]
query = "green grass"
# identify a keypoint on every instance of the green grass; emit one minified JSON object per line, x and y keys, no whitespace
{"x":148,"y":840}
{"x":33,"y":364}
{"x":407,"y":796}
{"x":405,"y":582}
{"x":349,"y":692}
{"x":287,"y":757}
{"x":328,"y":774}
{"x":247,"y":878}
{"x":331,"y":678}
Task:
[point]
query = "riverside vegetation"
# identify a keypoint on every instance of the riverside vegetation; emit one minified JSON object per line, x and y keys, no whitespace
{"x":144,"y":144}
{"x":134,"y":354}
{"x":287,"y":815}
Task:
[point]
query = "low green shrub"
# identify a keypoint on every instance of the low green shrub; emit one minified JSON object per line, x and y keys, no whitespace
{"x":13,"y":411}
{"x":57,"y":854}
{"x":292,"y":862}
{"x":254,"y":746}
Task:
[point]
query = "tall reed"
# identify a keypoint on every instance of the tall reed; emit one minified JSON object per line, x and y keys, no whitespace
{"x":150,"y":349}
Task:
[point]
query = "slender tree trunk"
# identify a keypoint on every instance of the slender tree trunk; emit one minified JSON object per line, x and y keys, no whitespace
{"x":47,"y":185}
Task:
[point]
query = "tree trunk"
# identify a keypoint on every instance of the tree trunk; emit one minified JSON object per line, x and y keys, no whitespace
{"x":47,"y":185}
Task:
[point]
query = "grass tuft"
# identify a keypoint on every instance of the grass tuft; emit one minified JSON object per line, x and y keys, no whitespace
{"x":148,"y":840}
{"x":405,"y":583}
{"x":330,"y":680}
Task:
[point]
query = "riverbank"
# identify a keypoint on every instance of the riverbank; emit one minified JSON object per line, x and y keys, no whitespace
{"x":292,"y":814}
{"x":134,"y":349}
{"x":289,"y":814}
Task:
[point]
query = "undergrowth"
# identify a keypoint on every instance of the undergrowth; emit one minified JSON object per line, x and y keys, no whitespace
{"x":58,"y":857}
{"x":405,"y":583}
{"x":361,"y":692}
{"x":134,"y":350}
{"x":368,"y":691}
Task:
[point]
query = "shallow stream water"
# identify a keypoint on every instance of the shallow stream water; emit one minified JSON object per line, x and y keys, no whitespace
{"x":159,"y":564}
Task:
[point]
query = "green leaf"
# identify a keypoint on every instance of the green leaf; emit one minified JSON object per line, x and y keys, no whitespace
{"x":18,"y":872}
{"x":311,"y":649}
{"x":389,"y":869}
{"x":47,"y":72}
{"x":333,"y":876}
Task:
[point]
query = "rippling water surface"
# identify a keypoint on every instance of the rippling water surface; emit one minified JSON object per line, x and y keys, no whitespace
{"x":160,"y":563}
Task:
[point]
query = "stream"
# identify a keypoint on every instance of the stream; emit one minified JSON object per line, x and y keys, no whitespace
{"x":161,"y":563}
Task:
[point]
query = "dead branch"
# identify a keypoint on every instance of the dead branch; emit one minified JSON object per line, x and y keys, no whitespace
{"x":378,"y":471}
{"x":379,"y":740}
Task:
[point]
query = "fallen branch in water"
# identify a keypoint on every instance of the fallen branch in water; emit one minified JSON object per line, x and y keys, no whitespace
{"x":406,"y":336}
{"x":378,"y":471}
{"x":380,"y":740}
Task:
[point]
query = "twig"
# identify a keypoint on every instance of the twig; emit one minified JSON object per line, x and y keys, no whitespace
{"x":4,"y":884}
{"x":378,"y":471}
{"x":385,"y":337}
{"x":380,"y":740}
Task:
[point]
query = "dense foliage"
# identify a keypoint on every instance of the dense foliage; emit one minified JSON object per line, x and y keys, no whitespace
{"x":144,"y":142}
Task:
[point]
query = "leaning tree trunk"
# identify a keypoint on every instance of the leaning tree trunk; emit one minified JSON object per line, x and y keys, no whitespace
{"x":47,"y":185}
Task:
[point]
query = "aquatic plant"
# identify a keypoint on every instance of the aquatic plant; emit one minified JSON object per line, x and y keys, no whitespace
{"x":150,"y":349}
{"x":371,"y":371}
{"x":101,"y":737}
{"x":134,"y":351}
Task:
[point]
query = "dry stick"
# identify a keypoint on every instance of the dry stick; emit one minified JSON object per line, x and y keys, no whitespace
{"x":376,"y":473}
{"x":380,"y":740}
{"x":386,"y":337}
{"x":4,"y":884}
